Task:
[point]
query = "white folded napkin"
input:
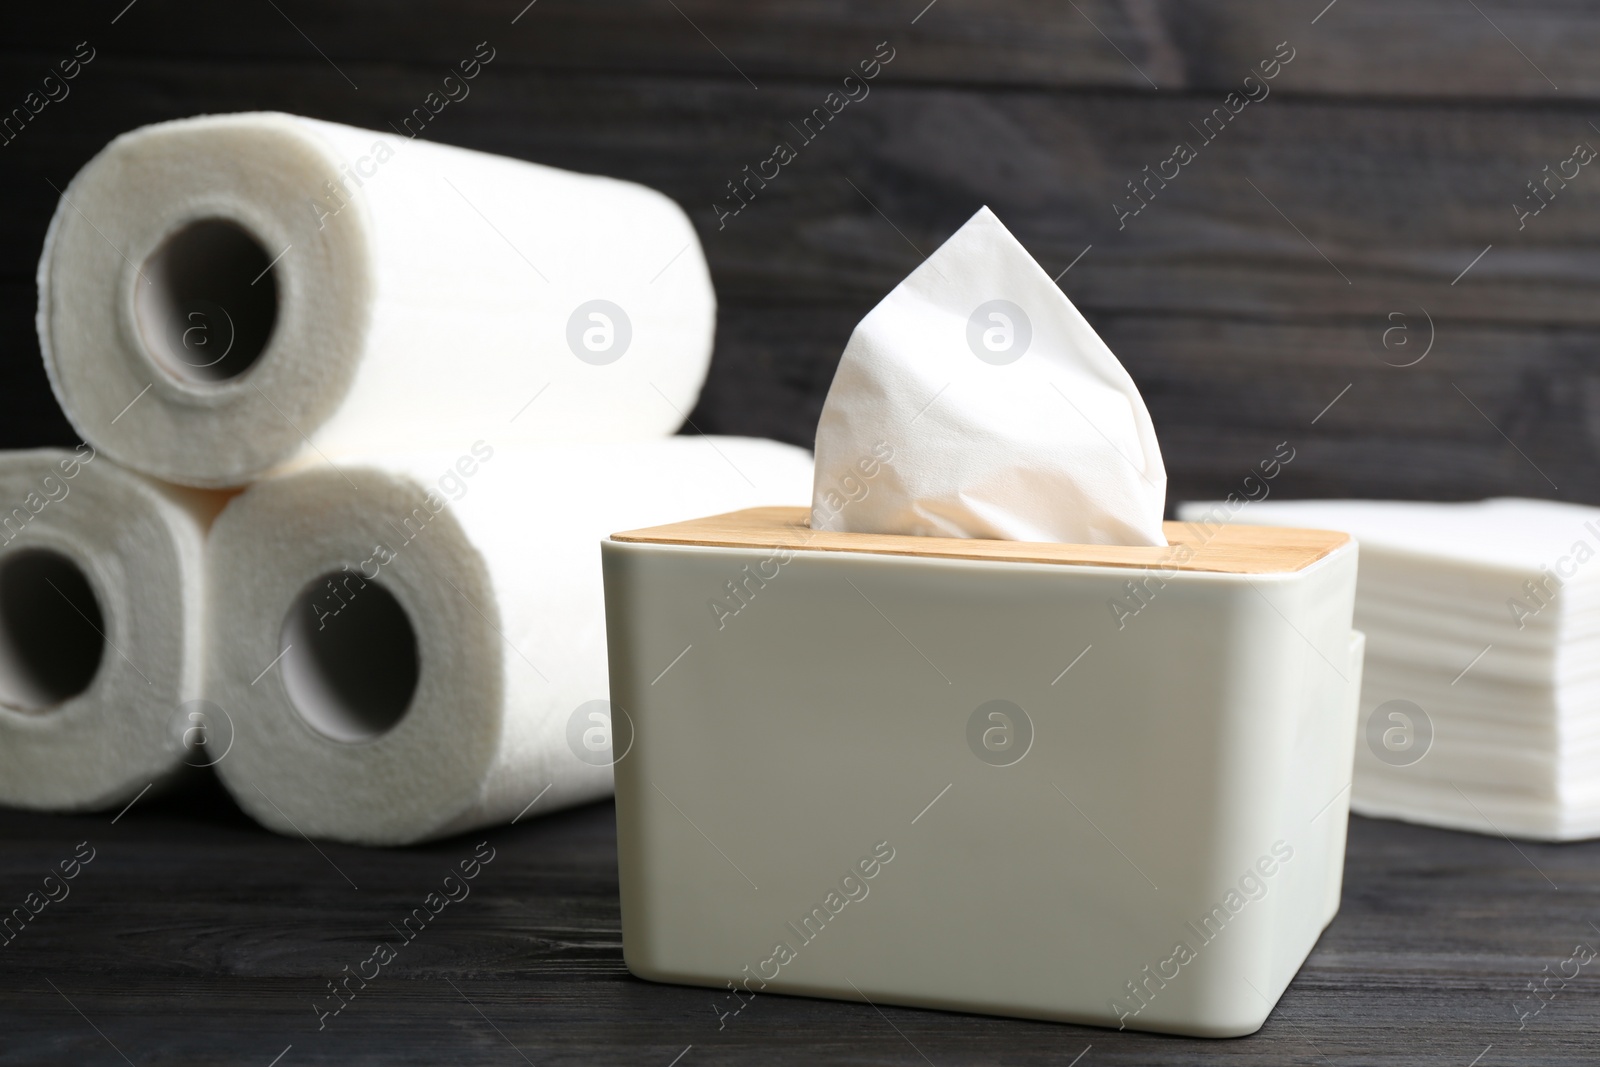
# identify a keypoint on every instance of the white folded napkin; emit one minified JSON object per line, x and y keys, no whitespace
{"x":1482,"y":622}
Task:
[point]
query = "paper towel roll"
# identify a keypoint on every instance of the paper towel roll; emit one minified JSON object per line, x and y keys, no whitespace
{"x":221,"y":295}
{"x":410,"y":646}
{"x":100,"y":630}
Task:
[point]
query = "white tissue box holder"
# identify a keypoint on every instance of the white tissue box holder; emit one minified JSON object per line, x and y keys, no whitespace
{"x":815,"y":794}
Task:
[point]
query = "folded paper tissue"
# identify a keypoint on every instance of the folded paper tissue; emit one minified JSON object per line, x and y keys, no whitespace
{"x":1477,"y":707}
{"x":1009,"y":419}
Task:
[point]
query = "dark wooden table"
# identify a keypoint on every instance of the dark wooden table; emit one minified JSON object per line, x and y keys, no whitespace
{"x":193,"y":936}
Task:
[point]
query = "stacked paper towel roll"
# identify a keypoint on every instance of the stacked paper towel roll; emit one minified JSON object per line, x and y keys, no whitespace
{"x":444,"y":377}
{"x":1480,"y":695}
{"x":435,"y":626}
{"x":222,"y":296}
{"x":101,"y":576}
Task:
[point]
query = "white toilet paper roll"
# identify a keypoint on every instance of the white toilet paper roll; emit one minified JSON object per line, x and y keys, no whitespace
{"x":261,"y":287}
{"x":100,"y":630}
{"x":414,"y":647}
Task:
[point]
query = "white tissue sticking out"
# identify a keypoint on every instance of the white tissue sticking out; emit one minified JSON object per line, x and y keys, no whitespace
{"x":975,"y":401}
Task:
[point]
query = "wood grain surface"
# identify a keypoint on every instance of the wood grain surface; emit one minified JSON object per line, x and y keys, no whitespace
{"x":1371,"y":48}
{"x":1191,"y":546}
{"x":194,"y":937}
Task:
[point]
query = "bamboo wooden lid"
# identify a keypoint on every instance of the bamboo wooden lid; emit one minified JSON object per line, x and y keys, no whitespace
{"x":1220,"y":549}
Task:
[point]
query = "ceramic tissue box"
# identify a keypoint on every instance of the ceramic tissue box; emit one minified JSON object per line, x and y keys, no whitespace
{"x":1096,"y":784}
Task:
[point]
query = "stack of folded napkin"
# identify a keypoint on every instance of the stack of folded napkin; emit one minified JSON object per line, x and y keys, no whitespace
{"x":1482,"y":683}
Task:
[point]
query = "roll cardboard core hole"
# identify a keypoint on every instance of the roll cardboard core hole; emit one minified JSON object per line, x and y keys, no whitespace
{"x":51,"y":630}
{"x":206,"y":301}
{"x":350,"y":659}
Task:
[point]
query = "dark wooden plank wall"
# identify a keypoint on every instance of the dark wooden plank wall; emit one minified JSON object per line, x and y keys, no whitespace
{"x":1249,"y":293}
